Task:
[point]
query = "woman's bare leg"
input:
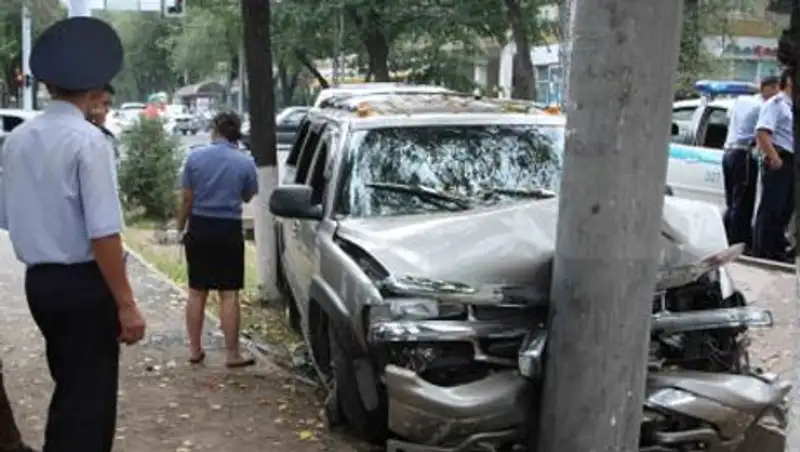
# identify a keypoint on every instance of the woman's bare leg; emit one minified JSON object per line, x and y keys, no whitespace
{"x":195,"y":315}
{"x":229,"y":318}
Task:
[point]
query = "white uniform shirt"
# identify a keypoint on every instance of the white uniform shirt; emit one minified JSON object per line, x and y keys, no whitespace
{"x":58,"y":187}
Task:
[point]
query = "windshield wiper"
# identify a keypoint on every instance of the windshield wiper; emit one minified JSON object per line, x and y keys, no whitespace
{"x":533,"y":193}
{"x":423,"y":192}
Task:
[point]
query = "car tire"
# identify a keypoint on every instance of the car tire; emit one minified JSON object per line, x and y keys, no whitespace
{"x":371,"y":425}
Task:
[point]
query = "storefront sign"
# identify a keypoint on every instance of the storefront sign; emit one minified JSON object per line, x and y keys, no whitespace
{"x":756,"y":51}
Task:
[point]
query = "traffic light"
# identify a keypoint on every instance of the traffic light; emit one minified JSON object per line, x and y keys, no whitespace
{"x":174,"y":8}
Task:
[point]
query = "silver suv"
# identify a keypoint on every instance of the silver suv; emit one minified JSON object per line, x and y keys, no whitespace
{"x":415,"y":239}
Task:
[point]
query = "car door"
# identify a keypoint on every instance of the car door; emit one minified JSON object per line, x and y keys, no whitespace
{"x":305,"y":231}
{"x":695,"y":172}
{"x":300,"y":161}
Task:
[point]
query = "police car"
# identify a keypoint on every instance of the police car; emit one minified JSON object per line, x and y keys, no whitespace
{"x":699,"y":129}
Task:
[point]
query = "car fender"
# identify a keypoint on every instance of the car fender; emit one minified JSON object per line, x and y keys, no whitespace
{"x":330,"y":303}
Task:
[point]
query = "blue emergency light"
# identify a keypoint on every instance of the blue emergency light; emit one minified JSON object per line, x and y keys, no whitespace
{"x":725,"y":88}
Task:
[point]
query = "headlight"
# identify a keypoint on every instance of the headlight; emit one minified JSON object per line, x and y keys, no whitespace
{"x":413,"y":309}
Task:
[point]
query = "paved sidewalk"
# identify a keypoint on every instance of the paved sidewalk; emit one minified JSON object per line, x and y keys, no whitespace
{"x":775,"y":349}
{"x":165,"y":404}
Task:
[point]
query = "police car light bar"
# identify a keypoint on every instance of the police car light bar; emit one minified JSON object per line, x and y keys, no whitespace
{"x":723,"y":87}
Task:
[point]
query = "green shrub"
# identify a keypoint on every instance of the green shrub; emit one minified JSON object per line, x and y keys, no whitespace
{"x":148,"y":172}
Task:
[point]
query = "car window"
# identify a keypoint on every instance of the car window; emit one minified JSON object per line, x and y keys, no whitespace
{"x":307,"y":153}
{"x":683,"y":113}
{"x":316,"y":175}
{"x":716,"y":128}
{"x":467,"y":161}
{"x":294,"y":118}
{"x":682,"y":117}
{"x":299,"y":142}
{"x":10,"y":122}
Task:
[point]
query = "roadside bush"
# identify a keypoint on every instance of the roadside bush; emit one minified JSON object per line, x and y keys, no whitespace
{"x":149,"y":167}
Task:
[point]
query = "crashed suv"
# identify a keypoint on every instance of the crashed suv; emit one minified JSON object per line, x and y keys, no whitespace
{"x":415,"y":236}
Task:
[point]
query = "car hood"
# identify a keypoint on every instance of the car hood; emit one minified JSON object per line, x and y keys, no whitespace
{"x":511,"y":243}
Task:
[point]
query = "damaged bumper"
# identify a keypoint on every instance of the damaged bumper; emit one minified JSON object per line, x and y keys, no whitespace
{"x":447,"y":412}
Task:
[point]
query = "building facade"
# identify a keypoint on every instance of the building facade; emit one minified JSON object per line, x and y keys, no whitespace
{"x":746,"y":53}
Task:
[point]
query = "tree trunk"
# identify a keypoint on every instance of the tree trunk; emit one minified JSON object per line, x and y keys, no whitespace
{"x":523,"y":78}
{"x":603,"y":274}
{"x":378,"y":52}
{"x":258,"y":58}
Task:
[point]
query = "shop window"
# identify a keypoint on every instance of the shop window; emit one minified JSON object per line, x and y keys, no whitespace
{"x":745,"y":70}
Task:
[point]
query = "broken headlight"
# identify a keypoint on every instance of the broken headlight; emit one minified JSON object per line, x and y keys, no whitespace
{"x":415,"y":309}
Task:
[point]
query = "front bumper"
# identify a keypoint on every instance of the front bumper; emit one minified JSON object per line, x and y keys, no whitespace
{"x":494,"y":403}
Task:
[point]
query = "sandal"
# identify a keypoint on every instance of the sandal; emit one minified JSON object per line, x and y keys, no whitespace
{"x":245,"y":363}
{"x":198,"y":359}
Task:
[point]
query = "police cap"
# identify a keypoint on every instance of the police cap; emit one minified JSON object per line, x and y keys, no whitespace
{"x":77,"y":54}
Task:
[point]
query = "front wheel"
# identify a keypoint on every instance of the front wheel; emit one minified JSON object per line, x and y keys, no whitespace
{"x":353,"y":376}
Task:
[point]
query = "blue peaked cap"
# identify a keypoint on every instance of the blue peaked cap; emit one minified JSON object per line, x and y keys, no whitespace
{"x":77,"y":54}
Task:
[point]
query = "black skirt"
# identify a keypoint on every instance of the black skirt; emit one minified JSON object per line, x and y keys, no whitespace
{"x":214,"y":253}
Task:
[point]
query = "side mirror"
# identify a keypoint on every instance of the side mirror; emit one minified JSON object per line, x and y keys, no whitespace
{"x":675,"y":129}
{"x":294,"y":201}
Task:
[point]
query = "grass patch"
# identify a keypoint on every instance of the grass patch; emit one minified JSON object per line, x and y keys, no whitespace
{"x":262,"y":324}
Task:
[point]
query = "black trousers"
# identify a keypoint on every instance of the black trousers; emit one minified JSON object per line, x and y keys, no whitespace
{"x":740,"y":173}
{"x":77,"y":315}
{"x":775,"y":210}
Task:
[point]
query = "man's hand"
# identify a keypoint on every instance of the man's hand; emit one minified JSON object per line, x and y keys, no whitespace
{"x":773,"y":161}
{"x":132,"y":324}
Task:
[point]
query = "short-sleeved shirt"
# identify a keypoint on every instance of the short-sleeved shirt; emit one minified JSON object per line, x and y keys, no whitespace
{"x":58,"y":187}
{"x":221,"y":177}
{"x":776,"y":117}
{"x":744,"y":117}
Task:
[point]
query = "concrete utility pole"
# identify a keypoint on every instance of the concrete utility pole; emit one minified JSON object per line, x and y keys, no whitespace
{"x":258,"y":59}
{"x":621,"y":80}
{"x":79,"y":8}
{"x":27,"y":36}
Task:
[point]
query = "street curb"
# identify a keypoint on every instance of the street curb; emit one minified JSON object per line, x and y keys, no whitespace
{"x":262,"y":352}
{"x":766,"y":264}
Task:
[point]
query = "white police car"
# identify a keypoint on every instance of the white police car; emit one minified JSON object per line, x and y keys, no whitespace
{"x":699,"y":128}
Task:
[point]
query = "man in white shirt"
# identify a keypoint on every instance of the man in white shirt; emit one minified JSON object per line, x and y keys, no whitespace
{"x":739,"y":168}
{"x":775,"y":136}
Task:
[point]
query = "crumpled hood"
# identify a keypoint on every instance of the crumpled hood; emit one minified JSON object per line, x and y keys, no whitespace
{"x":511,"y":243}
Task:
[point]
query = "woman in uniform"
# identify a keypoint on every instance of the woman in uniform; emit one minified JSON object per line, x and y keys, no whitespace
{"x":217,"y":180}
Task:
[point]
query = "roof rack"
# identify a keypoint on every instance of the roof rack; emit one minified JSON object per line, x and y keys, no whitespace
{"x":407,"y":103}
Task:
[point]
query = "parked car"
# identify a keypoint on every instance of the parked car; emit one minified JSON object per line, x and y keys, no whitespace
{"x":415,"y":238}
{"x":185,"y":124}
{"x":12,"y":117}
{"x":286,"y":123}
{"x":695,"y":166}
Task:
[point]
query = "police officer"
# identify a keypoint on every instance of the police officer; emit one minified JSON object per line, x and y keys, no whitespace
{"x":739,"y":167}
{"x":60,"y":204}
{"x":775,"y":138}
{"x":99,"y":114}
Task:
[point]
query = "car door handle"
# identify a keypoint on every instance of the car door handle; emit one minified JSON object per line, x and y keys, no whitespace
{"x":295,"y":226}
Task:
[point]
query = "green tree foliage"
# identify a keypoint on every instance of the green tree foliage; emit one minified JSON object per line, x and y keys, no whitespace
{"x":145,"y":38}
{"x":148,"y":173}
{"x":44,"y":13}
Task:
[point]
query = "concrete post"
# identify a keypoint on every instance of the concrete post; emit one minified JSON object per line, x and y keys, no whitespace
{"x":621,"y":80}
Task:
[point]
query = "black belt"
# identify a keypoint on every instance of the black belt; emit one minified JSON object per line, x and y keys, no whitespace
{"x":44,"y":266}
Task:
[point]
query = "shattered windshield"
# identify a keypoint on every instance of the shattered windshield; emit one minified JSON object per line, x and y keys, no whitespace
{"x":482,"y":163}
